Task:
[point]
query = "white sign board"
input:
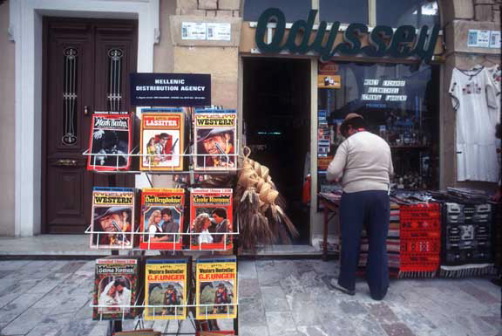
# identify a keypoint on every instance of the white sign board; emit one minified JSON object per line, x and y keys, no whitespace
{"x":219,"y":31}
{"x":193,"y":31}
{"x":495,"y":39}
{"x":210,"y":31}
{"x":478,"y":38}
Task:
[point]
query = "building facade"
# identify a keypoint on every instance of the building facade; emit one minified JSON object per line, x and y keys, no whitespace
{"x":35,"y":176}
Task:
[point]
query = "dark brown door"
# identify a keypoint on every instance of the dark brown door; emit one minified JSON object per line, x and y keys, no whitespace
{"x":86,"y":69}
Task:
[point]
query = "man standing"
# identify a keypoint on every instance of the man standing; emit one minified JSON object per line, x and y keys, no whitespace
{"x":221,"y":296}
{"x":363,"y":166}
{"x":219,"y":216}
{"x":168,"y":225}
{"x":163,"y":147}
{"x":170,"y":299}
{"x":115,"y":221}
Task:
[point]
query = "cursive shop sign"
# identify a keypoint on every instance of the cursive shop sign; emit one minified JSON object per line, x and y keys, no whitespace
{"x":403,"y":42}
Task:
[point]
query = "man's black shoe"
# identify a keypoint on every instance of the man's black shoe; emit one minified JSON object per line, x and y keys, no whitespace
{"x":332,"y":284}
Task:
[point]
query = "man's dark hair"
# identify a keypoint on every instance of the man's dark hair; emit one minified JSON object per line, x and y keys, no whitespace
{"x":110,"y":139}
{"x":354,"y":122}
{"x":220,"y":212}
{"x":164,"y":135}
{"x":120,"y":282}
{"x":166,"y":211}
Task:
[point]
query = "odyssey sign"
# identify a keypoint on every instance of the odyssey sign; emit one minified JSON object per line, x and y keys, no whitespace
{"x":383,"y":40}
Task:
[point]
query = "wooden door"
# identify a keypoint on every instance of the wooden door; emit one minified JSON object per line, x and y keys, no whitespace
{"x":86,"y":66}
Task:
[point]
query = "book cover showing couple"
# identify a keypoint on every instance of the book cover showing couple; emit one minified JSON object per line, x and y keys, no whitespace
{"x":162,"y":213}
{"x":115,"y":288}
{"x":211,"y":218}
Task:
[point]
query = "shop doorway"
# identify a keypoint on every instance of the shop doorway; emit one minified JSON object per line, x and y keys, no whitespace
{"x":276,"y":112}
{"x":86,"y":66}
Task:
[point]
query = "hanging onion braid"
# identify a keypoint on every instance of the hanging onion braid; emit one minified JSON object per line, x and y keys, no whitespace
{"x":259,"y":207}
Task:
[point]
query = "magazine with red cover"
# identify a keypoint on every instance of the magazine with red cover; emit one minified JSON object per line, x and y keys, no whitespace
{"x":110,"y":142}
{"x":162,"y":139}
{"x":112,"y":218}
{"x":210,"y":218}
{"x":214,"y":136}
{"x":115,"y":288}
{"x":162,"y":214}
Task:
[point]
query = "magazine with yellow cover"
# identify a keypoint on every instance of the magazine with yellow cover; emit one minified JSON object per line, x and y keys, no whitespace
{"x":216,"y":287}
{"x":166,"y":288}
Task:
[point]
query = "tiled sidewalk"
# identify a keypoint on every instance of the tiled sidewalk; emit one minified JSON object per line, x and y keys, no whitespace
{"x":288,"y":297}
{"x":277,"y":297}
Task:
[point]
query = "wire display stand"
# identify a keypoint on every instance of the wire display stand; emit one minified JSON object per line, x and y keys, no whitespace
{"x":154,"y":169}
{"x":123,"y":246}
{"x":116,"y":325}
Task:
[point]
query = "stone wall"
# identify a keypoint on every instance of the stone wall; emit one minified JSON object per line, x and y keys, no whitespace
{"x":218,"y":58}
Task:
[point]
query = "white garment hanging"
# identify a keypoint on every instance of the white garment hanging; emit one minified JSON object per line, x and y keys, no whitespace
{"x":474,"y":98}
{"x":495,"y":75}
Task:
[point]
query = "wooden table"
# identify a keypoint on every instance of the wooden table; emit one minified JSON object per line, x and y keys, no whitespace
{"x":331,"y":207}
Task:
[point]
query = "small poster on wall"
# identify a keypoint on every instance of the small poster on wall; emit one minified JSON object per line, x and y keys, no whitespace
{"x":329,"y":82}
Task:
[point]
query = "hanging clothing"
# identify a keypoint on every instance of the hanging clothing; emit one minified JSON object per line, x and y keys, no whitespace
{"x":474,"y":98}
{"x":496,"y":75}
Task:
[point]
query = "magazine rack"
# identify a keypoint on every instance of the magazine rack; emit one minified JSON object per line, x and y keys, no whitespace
{"x":115,"y":325}
{"x":166,"y":170}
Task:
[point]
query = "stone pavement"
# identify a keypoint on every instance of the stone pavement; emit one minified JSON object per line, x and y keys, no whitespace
{"x":277,"y":297}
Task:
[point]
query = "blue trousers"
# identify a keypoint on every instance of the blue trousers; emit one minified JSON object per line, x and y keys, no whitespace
{"x":371,"y":209}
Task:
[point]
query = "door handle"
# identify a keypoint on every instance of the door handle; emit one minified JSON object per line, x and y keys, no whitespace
{"x":66,"y":162}
{"x":86,"y":110}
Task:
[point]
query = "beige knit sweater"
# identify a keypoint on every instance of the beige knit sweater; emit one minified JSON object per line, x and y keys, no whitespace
{"x":362,"y":162}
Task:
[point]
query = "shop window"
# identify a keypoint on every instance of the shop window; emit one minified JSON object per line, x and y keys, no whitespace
{"x":407,"y":12}
{"x":344,"y":11}
{"x":399,"y":103}
{"x":293,"y":10}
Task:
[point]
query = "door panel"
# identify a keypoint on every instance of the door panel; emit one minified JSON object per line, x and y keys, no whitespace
{"x":76,"y":79}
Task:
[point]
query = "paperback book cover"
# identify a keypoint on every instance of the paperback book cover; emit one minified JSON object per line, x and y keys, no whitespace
{"x":162,"y":139}
{"x":166,"y":288}
{"x":162,"y":218}
{"x":214,"y":136}
{"x":112,"y":218}
{"x":110,"y":141}
{"x":216,"y":287}
{"x":115,"y":288}
{"x":210,"y":219}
